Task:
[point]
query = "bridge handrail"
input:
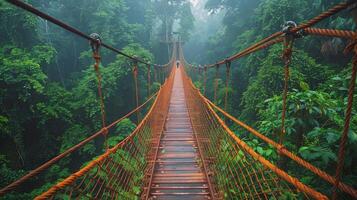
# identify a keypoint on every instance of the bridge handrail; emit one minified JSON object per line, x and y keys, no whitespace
{"x":71,"y":29}
{"x":70,"y":150}
{"x":257,"y":46}
{"x":284,"y":175}
{"x":282,"y":149}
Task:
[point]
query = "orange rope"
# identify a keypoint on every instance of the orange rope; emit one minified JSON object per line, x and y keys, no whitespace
{"x":332,"y":11}
{"x":344,"y":138}
{"x":228,"y":66}
{"x":135,"y":75}
{"x":288,"y":43}
{"x":216,"y":83}
{"x":330,"y":32}
{"x":100,"y":93}
{"x":283,"y":150}
{"x":204,"y":80}
{"x":54,"y":160}
{"x":302,"y":187}
{"x":149,"y":81}
{"x":155,"y":74}
{"x":266,"y":163}
{"x":82,"y":172}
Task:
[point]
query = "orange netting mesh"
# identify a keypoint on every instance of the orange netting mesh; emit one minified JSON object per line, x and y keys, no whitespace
{"x":235,"y":170}
{"x":120,"y":172}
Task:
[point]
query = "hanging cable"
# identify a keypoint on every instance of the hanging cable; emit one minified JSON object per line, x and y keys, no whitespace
{"x":287,"y":53}
{"x":155,"y":73}
{"x":95,"y":44}
{"x":352,"y":47}
{"x":149,"y":81}
{"x":135,"y":76}
{"x":216,"y":83}
{"x":228,"y":69}
{"x":204,"y":80}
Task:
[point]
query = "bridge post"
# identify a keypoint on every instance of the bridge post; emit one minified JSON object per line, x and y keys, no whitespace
{"x":216,"y":83}
{"x":155,"y":72}
{"x":289,"y":38}
{"x":204,"y":80}
{"x":149,"y":80}
{"x":135,"y":76}
{"x":95,"y":44}
{"x":352,"y":47}
{"x":228,"y":69}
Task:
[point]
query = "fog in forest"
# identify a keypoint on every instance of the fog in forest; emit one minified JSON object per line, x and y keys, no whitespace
{"x":81,"y":79}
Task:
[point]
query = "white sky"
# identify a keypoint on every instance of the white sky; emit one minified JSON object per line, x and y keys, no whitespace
{"x":195,"y":2}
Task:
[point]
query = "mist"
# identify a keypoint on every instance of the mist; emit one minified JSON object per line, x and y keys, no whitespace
{"x":97,"y":101}
{"x":206,"y":25}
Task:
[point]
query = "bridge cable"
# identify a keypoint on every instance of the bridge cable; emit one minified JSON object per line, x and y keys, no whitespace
{"x":228,"y":67}
{"x":155,"y":75}
{"x":204,"y":80}
{"x":149,"y":79}
{"x":216,"y":83}
{"x":136,"y":88}
{"x":286,"y":56}
{"x":71,"y":29}
{"x":352,"y":47}
{"x":96,"y":44}
{"x":287,"y":52}
{"x":72,"y":149}
{"x":332,"y":11}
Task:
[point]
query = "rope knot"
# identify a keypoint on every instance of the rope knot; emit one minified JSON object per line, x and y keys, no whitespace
{"x":95,"y":42}
{"x":105,"y":131}
{"x":280,"y":148}
{"x":289,"y":29}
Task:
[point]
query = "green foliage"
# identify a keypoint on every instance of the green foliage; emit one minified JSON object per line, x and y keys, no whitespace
{"x":49,"y":94}
{"x":122,"y":130}
{"x":317,"y":86}
{"x":17,"y":26}
{"x":21,"y":67}
{"x":7,"y":174}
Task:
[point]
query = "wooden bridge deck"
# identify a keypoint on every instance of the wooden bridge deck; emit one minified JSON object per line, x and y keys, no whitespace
{"x":177,"y":173}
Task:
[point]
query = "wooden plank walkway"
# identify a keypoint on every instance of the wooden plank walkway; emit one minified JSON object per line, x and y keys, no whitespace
{"x":177,"y":173}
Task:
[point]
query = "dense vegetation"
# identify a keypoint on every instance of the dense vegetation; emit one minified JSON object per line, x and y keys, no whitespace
{"x":48,"y":86}
{"x":49,"y":96}
{"x":319,"y":78}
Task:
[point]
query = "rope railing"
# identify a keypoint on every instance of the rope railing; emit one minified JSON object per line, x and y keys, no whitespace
{"x":120,"y":172}
{"x":71,"y":29}
{"x":280,"y":148}
{"x":265,"y":42}
{"x":291,"y":32}
{"x":74,"y":148}
{"x":235,"y":169}
{"x":96,"y":43}
{"x":232,"y":166}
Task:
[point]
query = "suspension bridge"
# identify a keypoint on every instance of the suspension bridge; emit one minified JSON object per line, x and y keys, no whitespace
{"x":183,"y":147}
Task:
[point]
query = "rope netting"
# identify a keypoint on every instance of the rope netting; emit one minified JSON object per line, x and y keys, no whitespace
{"x":120,"y":172}
{"x":236,"y":170}
{"x":288,"y":35}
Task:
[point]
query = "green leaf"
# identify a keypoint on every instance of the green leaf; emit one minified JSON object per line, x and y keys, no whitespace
{"x":304,"y":86}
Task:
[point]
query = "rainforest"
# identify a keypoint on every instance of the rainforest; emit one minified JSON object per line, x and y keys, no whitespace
{"x":178,"y":99}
